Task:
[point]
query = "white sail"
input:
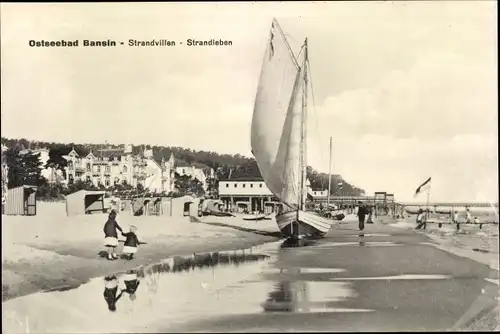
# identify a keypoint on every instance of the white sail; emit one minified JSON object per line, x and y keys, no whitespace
{"x":277,"y":120}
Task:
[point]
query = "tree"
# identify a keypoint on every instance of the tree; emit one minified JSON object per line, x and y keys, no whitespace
{"x":213,"y":187}
{"x":24,"y":169}
{"x":182,"y":183}
{"x":196,"y":187}
{"x":56,"y":160}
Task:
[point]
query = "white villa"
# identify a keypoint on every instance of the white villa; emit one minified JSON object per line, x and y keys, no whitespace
{"x":113,"y":166}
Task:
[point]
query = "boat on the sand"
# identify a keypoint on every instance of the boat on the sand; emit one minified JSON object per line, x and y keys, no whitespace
{"x":278,"y":134}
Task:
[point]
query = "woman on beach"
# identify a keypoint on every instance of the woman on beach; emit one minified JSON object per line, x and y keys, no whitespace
{"x":131,"y":243}
{"x":111,"y":236}
{"x":110,"y":294}
{"x":131,"y":283}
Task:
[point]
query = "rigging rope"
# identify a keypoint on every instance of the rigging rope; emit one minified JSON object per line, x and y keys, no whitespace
{"x":316,"y":116}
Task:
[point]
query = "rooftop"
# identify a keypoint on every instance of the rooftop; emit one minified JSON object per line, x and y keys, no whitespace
{"x":245,"y":178}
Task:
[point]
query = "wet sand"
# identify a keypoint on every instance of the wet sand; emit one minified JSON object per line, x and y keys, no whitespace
{"x":343,"y":283}
{"x":50,"y":250}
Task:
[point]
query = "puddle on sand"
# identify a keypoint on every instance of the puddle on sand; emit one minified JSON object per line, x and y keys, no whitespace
{"x":397,"y":277}
{"x":175,"y":291}
{"x":369,"y":235}
{"x":361,"y":242}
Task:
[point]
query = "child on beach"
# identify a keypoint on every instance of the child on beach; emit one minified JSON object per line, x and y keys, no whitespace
{"x":131,"y":243}
{"x":111,"y":236}
{"x":111,"y":291}
{"x":131,"y":284}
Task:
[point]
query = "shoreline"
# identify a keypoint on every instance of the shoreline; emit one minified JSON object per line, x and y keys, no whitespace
{"x":23,"y":278}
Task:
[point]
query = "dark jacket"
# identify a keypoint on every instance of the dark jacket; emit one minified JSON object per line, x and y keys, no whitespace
{"x":110,"y":228}
{"x":131,"y":240}
{"x":362,"y":211}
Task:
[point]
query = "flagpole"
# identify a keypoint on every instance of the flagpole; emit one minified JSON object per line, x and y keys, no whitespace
{"x":428,"y":201}
{"x":329,"y":175}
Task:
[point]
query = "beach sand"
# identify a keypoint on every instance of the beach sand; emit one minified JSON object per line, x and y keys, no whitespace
{"x":51,"y":250}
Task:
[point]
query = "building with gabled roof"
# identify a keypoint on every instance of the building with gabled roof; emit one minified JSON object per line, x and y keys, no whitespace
{"x":111,"y":166}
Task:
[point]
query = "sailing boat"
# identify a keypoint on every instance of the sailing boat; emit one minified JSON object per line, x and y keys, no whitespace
{"x":278,"y":134}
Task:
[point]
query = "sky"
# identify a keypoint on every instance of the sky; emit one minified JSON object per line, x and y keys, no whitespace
{"x":406,"y":90}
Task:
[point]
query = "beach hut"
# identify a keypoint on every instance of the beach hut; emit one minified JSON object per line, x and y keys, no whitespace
{"x":21,"y":201}
{"x":188,"y":201}
{"x":85,"y":202}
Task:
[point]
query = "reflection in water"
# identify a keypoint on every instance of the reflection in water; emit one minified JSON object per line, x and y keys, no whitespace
{"x":152,"y":273}
{"x":362,"y":240}
{"x":111,"y":295}
{"x":287,"y":296}
{"x":131,"y":284}
{"x":179,"y":263}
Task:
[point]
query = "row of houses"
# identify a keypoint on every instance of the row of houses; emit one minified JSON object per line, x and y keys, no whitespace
{"x":109,"y":167}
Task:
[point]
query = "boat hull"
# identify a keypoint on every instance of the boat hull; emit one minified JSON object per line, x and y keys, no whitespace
{"x":255,"y":217}
{"x":307,"y":225}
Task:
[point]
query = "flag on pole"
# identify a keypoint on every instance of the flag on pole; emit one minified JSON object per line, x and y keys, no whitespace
{"x":423,"y":187}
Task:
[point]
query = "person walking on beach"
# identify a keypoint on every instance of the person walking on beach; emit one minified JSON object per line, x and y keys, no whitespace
{"x":111,"y":236}
{"x":421,"y":221}
{"x":111,"y":295}
{"x":361,"y":216}
{"x":131,"y":243}
{"x":131,"y":283}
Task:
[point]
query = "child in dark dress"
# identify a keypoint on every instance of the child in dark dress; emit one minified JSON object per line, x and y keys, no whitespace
{"x":110,"y":294}
{"x":111,"y":236}
{"x":131,"y":284}
{"x":131,"y":243}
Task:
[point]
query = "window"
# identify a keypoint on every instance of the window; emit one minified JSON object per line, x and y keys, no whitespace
{"x":106,"y":182}
{"x":227,"y":185}
{"x":88,"y":179}
{"x":70,"y":164}
{"x":124,"y":169}
{"x":244,"y":185}
{"x":235,"y":185}
{"x":98,"y":168}
{"x":107,"y":169}
{"x":260,"y":185}
{"x":88,"y":167}
{"x":251,"y":185}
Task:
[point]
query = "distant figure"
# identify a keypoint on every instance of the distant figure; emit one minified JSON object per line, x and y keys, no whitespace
{"x":110,"y":294}
{"x":131,"y":243}
{"x":131,"y":283}
{"x":361,"y":216}
{"x":111,"y":236}
{"x":468,"y":217}
{"x":370,"y":215}
{"x":455,"y":217}
{"x":421,"y":220}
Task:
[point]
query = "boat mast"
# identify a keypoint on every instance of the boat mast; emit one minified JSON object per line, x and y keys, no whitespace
{"x":303,"y":158}
{"x":329,"y":175}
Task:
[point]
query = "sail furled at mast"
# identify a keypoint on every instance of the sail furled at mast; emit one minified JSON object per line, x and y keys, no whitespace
{"x":277,"y":119}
